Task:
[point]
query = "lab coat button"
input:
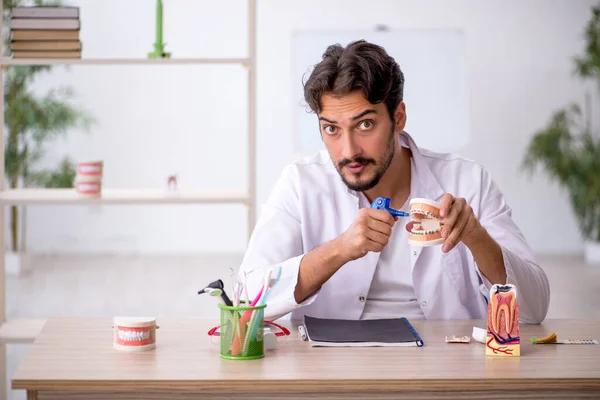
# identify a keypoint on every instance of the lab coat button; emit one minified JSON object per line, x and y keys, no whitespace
{"x":423,"y":303}
{"x":361,"y":298}
{"x":414,"y":252}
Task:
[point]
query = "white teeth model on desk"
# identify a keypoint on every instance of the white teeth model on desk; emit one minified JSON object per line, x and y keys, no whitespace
{"x":88,"y":182}
{"x":134,"y":334}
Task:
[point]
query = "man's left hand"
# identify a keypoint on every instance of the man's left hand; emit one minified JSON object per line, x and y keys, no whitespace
{"x":460,"y":224}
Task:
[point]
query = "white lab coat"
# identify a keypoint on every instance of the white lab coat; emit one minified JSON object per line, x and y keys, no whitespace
{"x":310,"y":205}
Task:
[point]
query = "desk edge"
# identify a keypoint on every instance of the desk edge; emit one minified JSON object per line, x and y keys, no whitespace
{"x":310,"y":385}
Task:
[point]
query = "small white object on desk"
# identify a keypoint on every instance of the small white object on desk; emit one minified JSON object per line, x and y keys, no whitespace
{"x":302,"y":332}
{"x":270,"y":340}
{"x":479,"y":334}
{"x":458,"y":339}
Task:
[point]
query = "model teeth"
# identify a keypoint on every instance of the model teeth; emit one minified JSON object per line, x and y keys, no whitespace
{"x":418,"y":231}
{"x":133,"y":336}
{"x":426,"y":213}
{"x":424,"y":232}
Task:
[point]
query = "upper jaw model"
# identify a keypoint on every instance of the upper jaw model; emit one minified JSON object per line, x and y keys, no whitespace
{"x":427,"y":224}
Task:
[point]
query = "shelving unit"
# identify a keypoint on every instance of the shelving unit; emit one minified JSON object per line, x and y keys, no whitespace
{"x":26,"y":330}
{"x":123,"y":196}
{"x":123,"y":61}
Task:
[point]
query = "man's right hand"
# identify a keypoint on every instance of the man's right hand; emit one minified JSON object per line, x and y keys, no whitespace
{"x":370,"y":231}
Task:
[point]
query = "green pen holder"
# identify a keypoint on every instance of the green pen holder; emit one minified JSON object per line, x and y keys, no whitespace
{"x":241,"y":332}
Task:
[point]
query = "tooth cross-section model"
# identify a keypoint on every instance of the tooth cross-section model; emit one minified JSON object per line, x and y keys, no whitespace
{"x":426,"y":223}
{"x":503,"y":322}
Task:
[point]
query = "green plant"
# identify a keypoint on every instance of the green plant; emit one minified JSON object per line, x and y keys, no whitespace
{"x":568,"y":149}
{"x":32,"y":122}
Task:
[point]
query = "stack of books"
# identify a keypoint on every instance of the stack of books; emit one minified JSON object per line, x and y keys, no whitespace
{"x":45,"y":32}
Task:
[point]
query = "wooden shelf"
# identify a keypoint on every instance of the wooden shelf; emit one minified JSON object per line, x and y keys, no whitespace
{"x":120,"y":61}
{"x":21,"y":330}
{"x":123,"y":196}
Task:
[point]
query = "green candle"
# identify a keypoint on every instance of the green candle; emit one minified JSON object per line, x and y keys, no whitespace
{"x":159,"y":46}
{"x":159,"y":21}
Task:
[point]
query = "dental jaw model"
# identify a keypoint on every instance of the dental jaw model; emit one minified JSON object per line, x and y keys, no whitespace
{"x":134,"y":334}
{"x":503,"y":322}
{"x":88,"y":182}
{"x":426,"y":223}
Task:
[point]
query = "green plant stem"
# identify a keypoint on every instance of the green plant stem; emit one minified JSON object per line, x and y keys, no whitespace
{"x":14,"y":219}
{"x":14,"y":215}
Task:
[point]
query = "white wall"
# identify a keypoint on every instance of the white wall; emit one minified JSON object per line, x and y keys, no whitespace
{"x":193,"y":118}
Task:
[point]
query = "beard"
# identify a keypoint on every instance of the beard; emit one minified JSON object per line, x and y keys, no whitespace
{"x":381,"y":165}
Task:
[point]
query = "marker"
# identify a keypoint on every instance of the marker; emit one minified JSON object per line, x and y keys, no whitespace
{"x":302,"y":331}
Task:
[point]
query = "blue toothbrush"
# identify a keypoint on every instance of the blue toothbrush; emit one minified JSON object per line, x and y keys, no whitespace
{"x":383,"y":203}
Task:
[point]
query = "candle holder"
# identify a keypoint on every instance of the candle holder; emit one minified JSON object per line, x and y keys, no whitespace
{"x":159,"y":45}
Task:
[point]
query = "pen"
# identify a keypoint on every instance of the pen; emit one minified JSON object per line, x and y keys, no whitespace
{"x":302,"y":331}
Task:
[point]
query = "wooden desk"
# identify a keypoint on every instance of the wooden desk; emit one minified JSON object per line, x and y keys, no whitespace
{"x":74,"y":358}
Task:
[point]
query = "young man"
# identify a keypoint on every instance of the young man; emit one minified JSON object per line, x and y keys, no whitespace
{"x":342,"y":259}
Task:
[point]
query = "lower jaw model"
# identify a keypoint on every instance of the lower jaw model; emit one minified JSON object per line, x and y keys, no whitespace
{"x":427,"y":223}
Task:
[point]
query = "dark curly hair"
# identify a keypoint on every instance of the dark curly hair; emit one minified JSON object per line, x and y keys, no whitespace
{"x":361,"y":66}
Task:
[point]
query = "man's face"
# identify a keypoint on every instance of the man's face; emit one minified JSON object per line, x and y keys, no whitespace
{"x":360,"y":138}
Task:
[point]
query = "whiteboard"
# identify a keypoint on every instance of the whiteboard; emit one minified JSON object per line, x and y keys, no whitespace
{"x":435,"y":88}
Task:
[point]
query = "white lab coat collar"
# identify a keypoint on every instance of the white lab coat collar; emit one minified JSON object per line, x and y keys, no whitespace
{"x":425,"y":182}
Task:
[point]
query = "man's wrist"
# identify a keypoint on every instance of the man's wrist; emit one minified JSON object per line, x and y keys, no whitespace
{"x":487,"y":253}
{"x":481,"y":243}
{"x":317,"y":266}
{"x":477,"y":239}
{"x":338,"y":252}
